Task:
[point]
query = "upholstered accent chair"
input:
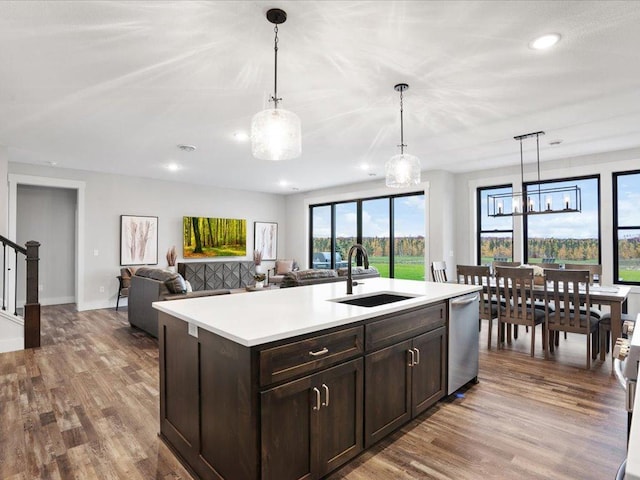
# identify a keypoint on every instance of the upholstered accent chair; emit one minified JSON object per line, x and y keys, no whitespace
{"x":281,"y":268}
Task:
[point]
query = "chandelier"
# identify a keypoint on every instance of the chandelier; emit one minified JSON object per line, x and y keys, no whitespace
{"x":275,"y":132}
{"x":402,"y":170}
{"x":532,"y":199}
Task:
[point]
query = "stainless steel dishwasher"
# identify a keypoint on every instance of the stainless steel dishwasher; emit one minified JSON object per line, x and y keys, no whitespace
{"x":463,"y":340}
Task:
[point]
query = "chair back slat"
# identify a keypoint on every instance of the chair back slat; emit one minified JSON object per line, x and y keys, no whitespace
{"x":515,"y":285}
{"x":562,"y":287}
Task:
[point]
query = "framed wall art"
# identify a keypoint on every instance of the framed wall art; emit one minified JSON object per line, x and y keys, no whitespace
{"x":138,"y":240}
{"x":214,"y":237}
{"x":266,"y":239}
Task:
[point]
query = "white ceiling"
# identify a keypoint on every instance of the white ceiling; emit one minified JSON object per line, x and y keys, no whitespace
{"x":115,"y":86}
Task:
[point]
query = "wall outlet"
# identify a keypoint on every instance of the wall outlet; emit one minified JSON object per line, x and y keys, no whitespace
{"x":101,"y":289}
{"x":40,"y":288}
{"x":95,"y":252}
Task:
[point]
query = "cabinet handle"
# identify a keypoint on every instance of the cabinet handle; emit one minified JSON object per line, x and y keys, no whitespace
{"x":317,"y":405}
{"x":326,"y":395}
{"x":412,"y":356}
{"x":417,"y":356}
{"x":324,"y":351}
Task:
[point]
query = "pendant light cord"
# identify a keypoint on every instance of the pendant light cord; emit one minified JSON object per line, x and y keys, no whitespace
{"x":402,"y":145}
{"x":275,"y":98}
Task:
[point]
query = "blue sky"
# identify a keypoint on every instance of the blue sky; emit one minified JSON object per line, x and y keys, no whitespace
{"x":409,"y":218}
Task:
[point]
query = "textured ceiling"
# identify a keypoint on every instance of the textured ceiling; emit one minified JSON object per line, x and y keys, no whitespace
{"x":115,"y":86}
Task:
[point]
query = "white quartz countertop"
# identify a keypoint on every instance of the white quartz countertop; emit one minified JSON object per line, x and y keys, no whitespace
{"x":255,"y":318}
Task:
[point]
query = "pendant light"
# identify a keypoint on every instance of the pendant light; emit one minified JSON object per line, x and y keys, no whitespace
{"x":538,"y":200}
{"x":402,"y":170}
{"x":275,"y":132}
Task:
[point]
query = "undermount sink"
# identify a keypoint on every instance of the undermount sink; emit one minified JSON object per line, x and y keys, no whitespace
{"x":374,"y":299}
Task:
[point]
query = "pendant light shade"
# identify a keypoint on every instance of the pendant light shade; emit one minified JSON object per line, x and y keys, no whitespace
{"x":275,"y":135}
{"x":275,"y":132}
{"x":402,"y":170}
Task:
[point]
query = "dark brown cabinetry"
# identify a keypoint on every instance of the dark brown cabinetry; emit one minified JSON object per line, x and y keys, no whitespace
{"x":312,"y":425}
{"x":297,"y":408}
{"x":405,"y":378}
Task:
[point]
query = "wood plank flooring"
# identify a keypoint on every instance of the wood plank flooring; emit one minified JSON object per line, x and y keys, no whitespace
{"x":85,"y":406}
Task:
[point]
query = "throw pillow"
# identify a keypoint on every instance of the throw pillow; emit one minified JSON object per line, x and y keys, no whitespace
{"x":283,"y":266}
{"x":176,"y":284}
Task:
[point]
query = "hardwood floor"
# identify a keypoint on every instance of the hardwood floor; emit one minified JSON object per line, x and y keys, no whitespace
{"x":85,"y":406}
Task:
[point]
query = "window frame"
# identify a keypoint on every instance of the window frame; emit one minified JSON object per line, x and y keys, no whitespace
{"x":358,"y":202}
{"x":479,"y":230}
{"x":617,"y":227}
{"x":525,"y":220}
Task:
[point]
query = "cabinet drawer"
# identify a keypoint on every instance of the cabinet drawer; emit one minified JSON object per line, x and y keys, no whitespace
{"x":403,"y":325}
{"x":297,"y":358}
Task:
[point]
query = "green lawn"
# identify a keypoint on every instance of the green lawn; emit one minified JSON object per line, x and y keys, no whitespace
{"x":407,"y":268}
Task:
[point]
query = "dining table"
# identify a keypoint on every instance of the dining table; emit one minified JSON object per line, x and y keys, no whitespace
{"x":612,"y":296}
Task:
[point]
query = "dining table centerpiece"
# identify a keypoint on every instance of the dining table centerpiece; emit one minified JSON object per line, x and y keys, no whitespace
{"x":538,"y":273}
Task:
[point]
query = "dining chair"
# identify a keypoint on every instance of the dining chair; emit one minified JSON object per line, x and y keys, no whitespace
{"x":439,"y":271}
{"x":505,"y":264}
{"x":553,"y":266}
{"x":595,"y":270}
{"x":480,"y":275}
{"x":515,"y":288}
{"x":563,"y":288}
{"x":124,"y":282}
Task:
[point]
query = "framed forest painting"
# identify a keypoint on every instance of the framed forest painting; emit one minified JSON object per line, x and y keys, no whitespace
{"x":266,"y":239}
{"x":138,"y":240}
{"x":213,"y":237}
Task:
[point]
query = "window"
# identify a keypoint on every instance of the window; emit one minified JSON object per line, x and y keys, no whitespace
{"x":565,"y":237}
{"x":495,"y":235}
{"x":626,"y":227}
{"x":391,"y":229}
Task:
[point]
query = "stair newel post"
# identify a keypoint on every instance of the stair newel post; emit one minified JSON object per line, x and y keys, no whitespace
{"x":32,"y":306}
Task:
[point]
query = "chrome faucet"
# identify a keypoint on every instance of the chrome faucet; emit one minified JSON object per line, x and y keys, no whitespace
{"x":350,"y":282}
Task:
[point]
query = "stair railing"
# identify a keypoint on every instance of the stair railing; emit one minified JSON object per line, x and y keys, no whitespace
{"x":32,"y":307}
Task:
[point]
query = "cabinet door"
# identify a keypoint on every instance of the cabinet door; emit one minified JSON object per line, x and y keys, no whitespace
{"x":288,"y":423}
{"x":340,"y":429}
{"x":429,"y":373}
{"x":388,"y":391}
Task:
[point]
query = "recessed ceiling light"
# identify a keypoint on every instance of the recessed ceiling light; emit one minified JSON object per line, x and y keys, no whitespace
{"x":241,"y":136}
{"x":364,"y":166}
{"x":186,"y":148}
{"x":283,"y":183}
{"x":174,"y":167}
{"x":545,"y":41}
{"x":53,"y":164}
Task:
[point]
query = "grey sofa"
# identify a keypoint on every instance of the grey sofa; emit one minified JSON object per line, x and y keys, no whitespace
{"x":322,"y":275}
{"x":150,"y":285}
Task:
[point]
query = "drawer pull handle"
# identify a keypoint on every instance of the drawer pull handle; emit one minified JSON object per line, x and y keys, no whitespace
{"x":324,"y":351}
{"x":326,"y":395}
{"x":412,"y":359}
{"x":417,"y":356}
{"x":317,"y":405}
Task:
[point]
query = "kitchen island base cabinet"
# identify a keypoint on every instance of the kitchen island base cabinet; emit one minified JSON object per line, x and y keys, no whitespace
{"x":298,"y":407}
{"x":313,"y":425}
{"x":402,"y":381}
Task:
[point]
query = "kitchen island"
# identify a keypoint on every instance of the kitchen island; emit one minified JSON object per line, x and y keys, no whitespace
{"x":292,"y":383}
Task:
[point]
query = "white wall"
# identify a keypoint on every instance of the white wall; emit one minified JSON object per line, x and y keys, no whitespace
{"x":4,"y":192}
{"x":109,"y":196}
